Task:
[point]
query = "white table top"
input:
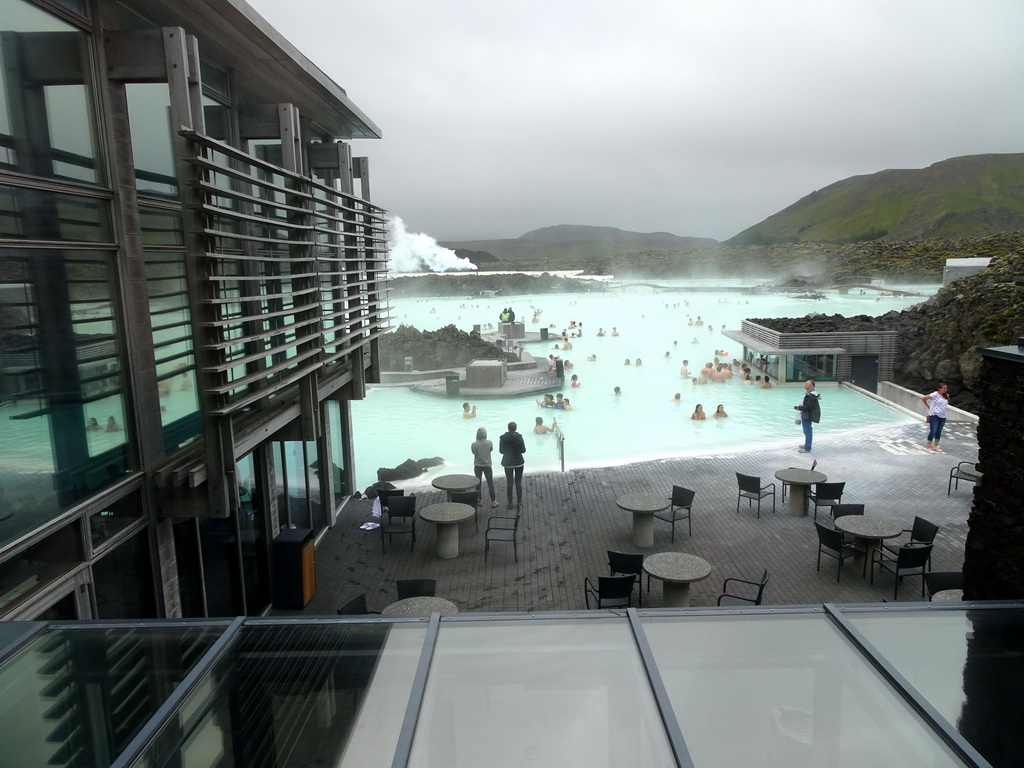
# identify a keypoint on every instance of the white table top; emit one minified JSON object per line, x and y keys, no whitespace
{"x":447,"y":512}
{"x":419,"y":606}
{"x":869,"y":527}
{"x":455,"y":483}
{"x":677,"y":567}
{"x":643,"y":502}
{"x":797,"y":476}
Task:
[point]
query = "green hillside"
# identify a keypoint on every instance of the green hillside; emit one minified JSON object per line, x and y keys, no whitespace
{"x":971,"y":196}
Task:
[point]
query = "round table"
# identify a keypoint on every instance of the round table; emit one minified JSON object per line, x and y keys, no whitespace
{"x":456,"y":483}
{"x":643,"y":506}
{"x":447,"y":515}
{"x":676,"y":571}
{"x":870,"y":532}
{"x":948,"y":596}
{"x":419,"y":606}
{"x":799,"y":481}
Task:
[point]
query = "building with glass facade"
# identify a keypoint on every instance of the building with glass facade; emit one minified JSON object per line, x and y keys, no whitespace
{"x":192,"y":286}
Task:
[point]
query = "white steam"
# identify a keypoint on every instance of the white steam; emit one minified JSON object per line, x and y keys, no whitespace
{"x":420,"y":252}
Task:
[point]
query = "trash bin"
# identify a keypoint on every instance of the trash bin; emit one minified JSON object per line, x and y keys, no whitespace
{"x":559,"y":368}
{"x":451,"y":384}
{"x":543,"y":334}
{"x":408,"y":363}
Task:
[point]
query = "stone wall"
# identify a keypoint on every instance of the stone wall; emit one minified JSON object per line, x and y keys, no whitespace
{"x":994,"y":553}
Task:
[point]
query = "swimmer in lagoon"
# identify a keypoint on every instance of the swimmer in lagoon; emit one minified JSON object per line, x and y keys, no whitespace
{"x":540,"y":428}
{"x":468,"y":413}
{"x":676,"y":398}
{"x":698,"y":413}
{"x":618,"y":391}
{"x":720,"y":412}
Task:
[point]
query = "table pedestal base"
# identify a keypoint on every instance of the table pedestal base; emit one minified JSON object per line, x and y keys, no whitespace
{"x":675,"y":594}
{"x":864,"y":556}
{"x":797,"y":500}
{"x":447,"y":540}
{"x":643,"y":529}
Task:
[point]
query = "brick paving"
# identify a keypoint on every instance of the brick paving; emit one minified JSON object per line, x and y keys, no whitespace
{"x":570,"y":519}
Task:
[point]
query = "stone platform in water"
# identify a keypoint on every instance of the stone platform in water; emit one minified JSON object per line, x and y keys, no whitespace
{"x":518,"y":384}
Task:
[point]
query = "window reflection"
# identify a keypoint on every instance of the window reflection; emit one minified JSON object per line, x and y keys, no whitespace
{"x":149,"y":113}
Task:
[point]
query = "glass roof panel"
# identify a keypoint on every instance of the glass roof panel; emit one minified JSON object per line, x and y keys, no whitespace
{"x":966,"y":663}
{"x":785,"y":690}
{"x":538,"y":693}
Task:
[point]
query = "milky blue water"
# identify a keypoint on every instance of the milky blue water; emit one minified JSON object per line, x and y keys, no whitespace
{"x":395,"y":424}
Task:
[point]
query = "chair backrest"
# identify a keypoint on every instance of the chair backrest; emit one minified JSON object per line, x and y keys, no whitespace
{"x":464,"y":497}
{"x":923,"y":530}
{"x":415,"y":588}
{"x":401,"y":506}
{"x":913,"y":557}
{"x":355,"y":607}
{"x":760,"y":589}
{"x":384,"y":494}
{"x":937,"y":581}
{"x":682,"y":497}
{"x":615,"y":589}
{"x":838,"y":510}
{"x":621,"y":563}
{"x":748,"y":483}
{"x":829,"y":490}
{"x":829,"y":537}
{"x":814,"y":465}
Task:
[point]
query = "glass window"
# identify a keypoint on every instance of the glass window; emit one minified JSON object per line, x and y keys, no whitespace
{"x":252,"y":533}
{"x":37,"y":214}
{"x":118,"y":516}
{"x":339,"y":439}
{"x":39,"y":565}
{"x":123,"y":581}
{"x":784,"y":691}
{"x":558,"y":692}
{"x":46,"y":106}
{"x":298,"y":487}
{"x":149,"y":113}
{"x":62,"y":384}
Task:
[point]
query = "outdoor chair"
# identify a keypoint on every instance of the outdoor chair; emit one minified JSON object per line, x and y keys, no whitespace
{"x":682,"y":501}
{"x":470,"y":498}
{"x":752,"y":597}
{"x":398,"y":519}
{"x":750,"y":488}
{"x":611,"y":591}
{"x":967,"y":471}
{"x":628,"y":564}
{"x":825,"y":495}
{"x":415,"y":588}
{"x":832,"y":543}
{"x":387,"y":493}
{"x":503,"y":528}
{"x":910,"y":561}
{"x":355,"y":607}
{"x":785,"y":484}
{"x":939,"y":581}
{"x":921,"y":533}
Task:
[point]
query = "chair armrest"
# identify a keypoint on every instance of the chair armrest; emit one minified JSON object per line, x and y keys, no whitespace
{"x":740,"y":581}
{"x":509,"y":524}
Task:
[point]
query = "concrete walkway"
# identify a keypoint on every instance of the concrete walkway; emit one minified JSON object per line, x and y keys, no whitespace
{"x":570,"y":519}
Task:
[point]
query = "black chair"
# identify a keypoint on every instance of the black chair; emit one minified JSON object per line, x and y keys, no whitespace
{"x":626,"y":564}
{"x":503,"y":528}
{"x":785,"y":484}
{"x":921,"y":533}
{"x":909,"y":561}
{"x":415,"y":588}
{"x":750,"y":488}
{"x":611,"y":591}
{"x":825,"y":495}
{"x":397,"y":519}
{"x":682,"y":501}
{"x":470,"y":498}
{"x":754,"y":598}
{"x":355,"y":607}
{"x":832,"y":543}
{"x":967,"y":471}
{"x":387,"y":493}
{"x":939,"y":581}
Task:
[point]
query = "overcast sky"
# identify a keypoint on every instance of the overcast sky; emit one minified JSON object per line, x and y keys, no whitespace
{"x":697,"y":117}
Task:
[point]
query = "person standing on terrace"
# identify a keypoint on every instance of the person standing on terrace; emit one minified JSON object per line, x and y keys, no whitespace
{"x":511,"y":446}
{"x":481,"y":450}
{"x":936,"y":402}
{"x":810,"y":414}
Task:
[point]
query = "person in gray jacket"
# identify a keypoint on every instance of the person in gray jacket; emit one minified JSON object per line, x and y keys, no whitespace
{"x":810,"y":413}
{"x":511,"y":446}
{"x":481,"y":450}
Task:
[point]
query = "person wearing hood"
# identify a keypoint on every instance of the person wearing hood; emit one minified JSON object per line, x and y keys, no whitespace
{"x":511,"y":446}
{"x":810,"y":413}
{"x":481,"y":450}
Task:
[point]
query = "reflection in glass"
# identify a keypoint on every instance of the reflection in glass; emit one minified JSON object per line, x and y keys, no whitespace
{"x":41,"y":564}
{"x":123,"y":581}
{"x":554,"y":693}
{"x":149,"y":113}
{"x":38,"y":214}
{"x":338,"y":438}
{"x":784,"y":691}
{"x":252,"y":532}
{"x":46,"y":113}
{"x":118,"y":516}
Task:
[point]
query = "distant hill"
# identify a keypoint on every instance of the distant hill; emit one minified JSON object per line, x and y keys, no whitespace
{"x":972,"y":196}
{"x":570,"y":244}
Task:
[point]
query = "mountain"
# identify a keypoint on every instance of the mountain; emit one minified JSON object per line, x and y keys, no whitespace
{"x":576,"y":244}
{"x":971,"y":196}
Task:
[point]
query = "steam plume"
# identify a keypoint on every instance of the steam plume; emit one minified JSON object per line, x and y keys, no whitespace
{"x":420,"y":252}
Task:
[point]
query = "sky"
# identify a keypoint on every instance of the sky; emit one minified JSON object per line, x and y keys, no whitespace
{"x":696,"y":117}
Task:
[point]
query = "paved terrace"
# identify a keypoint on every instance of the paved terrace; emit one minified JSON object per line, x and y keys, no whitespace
{"x":570,"y":519}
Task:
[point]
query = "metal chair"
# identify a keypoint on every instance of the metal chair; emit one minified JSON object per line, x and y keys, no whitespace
{"x":397,"y":519}
{"x":355,"y":607}
{"x":611,"y":591}
{"x":832,"y":543}
{"x":388,"y":493}
{"x":503,"y":528}
{"x":682,"y":501}
{"x":910,"y":561}
{"x":626,"y":564}
{"x":750,"y":488}
{"x":921,"y":533}
{"x":415,"y":588}
{"x":939,"y":581}
{"x":825,"y":495}
{"x":470,"y":498}
{"x":967,"y":471}
{"x":728,"y":598}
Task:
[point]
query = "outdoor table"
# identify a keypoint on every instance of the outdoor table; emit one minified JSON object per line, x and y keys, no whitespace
{"x":948,"y":596}
{"x":419,"y":606}
{"x":447,"y":515}
{"x":676,"y":571}
{"x":869,"y":531}
{"x":643,"y":506}
{"x":799,"y":480}
{"x":456,"y":483}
